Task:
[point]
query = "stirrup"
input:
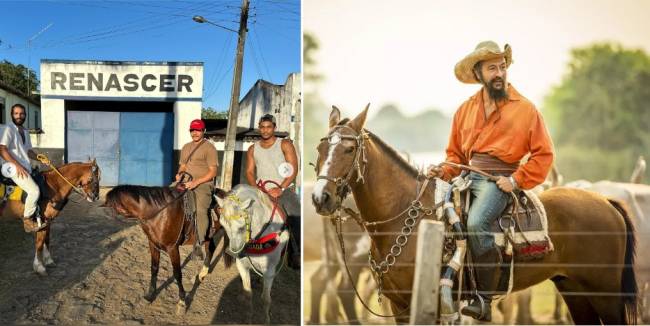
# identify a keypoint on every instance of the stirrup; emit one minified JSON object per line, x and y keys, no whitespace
{"x":40,"y":225}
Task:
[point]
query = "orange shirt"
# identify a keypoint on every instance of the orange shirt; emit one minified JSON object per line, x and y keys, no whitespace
{"x":513,"y":130}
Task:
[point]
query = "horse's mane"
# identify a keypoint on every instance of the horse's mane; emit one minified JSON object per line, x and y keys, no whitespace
{"x":391,"y":152}
{"x":247,"y":191}
{"x":157,"y":196}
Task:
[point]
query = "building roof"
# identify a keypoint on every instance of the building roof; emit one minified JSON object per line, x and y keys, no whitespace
{"x":216,"y":128}
{"x":35,"y":99}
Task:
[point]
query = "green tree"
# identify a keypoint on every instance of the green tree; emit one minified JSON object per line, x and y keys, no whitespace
{"x":599,"y":113}
{"x":15,"y":76}
{"x":210,"y":113}
{"x":316,"y":112}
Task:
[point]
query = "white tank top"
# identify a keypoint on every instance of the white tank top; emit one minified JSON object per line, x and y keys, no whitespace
{"x":267,"y":162}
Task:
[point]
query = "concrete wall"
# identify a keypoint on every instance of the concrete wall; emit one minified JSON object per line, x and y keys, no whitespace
{"x":278,"y":100}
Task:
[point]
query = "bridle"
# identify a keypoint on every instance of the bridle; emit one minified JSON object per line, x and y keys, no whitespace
{"x":93,"y":180}
{"x":358,"y":164}
{"x":415,"y":211}
{"x":239,"y":216}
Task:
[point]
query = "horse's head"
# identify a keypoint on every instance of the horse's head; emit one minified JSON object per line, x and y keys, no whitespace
{"x":130,"y":201}
{"x":235,"y":215}
{"x":90,"y":181}
{"x":341,"y":161}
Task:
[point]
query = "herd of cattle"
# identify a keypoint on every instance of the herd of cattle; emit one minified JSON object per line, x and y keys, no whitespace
{"x":323,"y":246}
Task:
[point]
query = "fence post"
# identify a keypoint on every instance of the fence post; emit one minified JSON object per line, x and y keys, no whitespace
{"x":428,"y":261}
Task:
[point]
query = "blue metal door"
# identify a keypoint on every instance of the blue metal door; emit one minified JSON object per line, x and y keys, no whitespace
{"x":146,"y":141}
{"x":95,"y":134}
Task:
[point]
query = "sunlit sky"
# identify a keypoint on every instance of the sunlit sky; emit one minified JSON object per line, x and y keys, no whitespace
{"x":381,"y":52}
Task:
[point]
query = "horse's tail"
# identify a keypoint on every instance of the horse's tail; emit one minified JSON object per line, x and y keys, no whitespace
{"x":227,"y":259}
{"x":629,"y":288}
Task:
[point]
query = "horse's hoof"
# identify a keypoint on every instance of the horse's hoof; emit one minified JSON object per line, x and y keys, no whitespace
{"x":204,"y":272}
{"x":41,"y":271}
{"x":181,"y":307}
{"x":50,"y":264}
{"x":149,"y":297}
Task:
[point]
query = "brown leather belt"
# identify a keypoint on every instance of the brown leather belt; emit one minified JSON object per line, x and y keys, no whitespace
{"x":491,"y":164}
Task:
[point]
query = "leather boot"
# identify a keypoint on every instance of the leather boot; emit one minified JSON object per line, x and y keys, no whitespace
{"x":30,"y":224}
{"x":487,"y":282}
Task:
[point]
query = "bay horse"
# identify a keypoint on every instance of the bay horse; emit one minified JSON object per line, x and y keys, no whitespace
{"x":85,"y":179}
{"x":247,"y":213}
{"x":160,"y":213}
{"x":593,"y":237}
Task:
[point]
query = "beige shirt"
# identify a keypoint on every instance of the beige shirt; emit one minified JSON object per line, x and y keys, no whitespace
{"x":205,"y":156}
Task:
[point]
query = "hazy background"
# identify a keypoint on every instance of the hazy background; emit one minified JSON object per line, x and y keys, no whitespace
{"x":584,"y":64}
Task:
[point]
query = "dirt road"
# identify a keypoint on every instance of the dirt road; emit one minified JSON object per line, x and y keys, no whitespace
{"x":102,"y":272}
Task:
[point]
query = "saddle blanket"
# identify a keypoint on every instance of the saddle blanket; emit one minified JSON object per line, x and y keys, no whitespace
{"x":8,"y":192}
{"x":531,"y":240}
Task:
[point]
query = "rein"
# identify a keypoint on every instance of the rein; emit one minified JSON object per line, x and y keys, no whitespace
{"x":414,"y":211}
{"x":78,"y":190}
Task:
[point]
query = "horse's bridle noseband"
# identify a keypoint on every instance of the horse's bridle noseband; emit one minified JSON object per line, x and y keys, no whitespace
{"x":358,"y":165}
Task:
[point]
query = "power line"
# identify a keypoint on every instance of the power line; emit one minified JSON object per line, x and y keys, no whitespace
{"x":257,"y":65}
{"x":259,"y":46}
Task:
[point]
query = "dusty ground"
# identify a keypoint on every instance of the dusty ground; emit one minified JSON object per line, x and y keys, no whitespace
{"x":102,"y":273}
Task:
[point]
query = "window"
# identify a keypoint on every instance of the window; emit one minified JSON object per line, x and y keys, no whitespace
{"x":2,"y":110}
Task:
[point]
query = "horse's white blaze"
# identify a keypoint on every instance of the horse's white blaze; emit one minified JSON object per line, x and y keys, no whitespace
{"x":320,"y":184}
{"x":47,"y":258}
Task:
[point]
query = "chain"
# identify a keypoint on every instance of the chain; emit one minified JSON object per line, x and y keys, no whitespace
{"x":382,"y":268}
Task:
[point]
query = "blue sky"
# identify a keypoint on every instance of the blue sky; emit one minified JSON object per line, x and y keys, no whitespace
{"x":158,"y":31}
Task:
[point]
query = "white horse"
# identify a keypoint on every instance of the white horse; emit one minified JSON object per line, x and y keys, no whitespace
{"x":244,"y":212}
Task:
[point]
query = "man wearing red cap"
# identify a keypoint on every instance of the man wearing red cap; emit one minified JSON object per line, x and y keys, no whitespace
{"x":199,"y":159}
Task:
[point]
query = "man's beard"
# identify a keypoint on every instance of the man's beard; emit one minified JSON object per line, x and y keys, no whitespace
{"x":496,"y":93}
{"x":16,"y":122}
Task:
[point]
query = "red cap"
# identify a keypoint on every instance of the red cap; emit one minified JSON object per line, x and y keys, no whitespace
{"x":197,"y":124}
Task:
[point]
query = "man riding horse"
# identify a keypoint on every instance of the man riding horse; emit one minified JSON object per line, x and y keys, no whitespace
{"x":199,"y":160}
{"x":273,"y":159}
{"x":492,"y":131}
{"x":16,"y":151}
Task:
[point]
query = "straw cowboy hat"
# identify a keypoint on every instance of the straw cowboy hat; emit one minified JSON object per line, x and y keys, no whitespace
{"x":485,"y":50}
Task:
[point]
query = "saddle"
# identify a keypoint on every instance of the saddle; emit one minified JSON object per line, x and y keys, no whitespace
{"x":10,"y":191}
{"x":521,"y":232}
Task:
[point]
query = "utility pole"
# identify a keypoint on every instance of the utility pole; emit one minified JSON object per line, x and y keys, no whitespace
{"x":233,"y":113}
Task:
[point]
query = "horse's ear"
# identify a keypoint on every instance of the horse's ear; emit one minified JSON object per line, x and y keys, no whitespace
{"x":220,"y":200}
{"x":220,"y":193}
{"x":335,"y":116}
{"x":360,"y":121}
{"x":246,"y":203}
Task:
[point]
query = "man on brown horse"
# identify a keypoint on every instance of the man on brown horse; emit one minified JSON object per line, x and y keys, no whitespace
{"x":492,"y":131}
{"x":199,"y":159}
{"x":16,"y":151}
{"x":276,"y":160}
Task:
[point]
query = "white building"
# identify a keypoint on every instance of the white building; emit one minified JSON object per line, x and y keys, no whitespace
{"x":131,"y":116}
{"x":10,"y":96}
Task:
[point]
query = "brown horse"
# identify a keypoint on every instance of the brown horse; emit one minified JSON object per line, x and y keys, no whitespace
{"x":85,"y":178}
{"x":159,"y":210}
{"x":593,"y":237}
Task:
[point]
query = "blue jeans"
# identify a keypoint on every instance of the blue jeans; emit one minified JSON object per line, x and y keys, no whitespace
{"x":488,"y":202}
